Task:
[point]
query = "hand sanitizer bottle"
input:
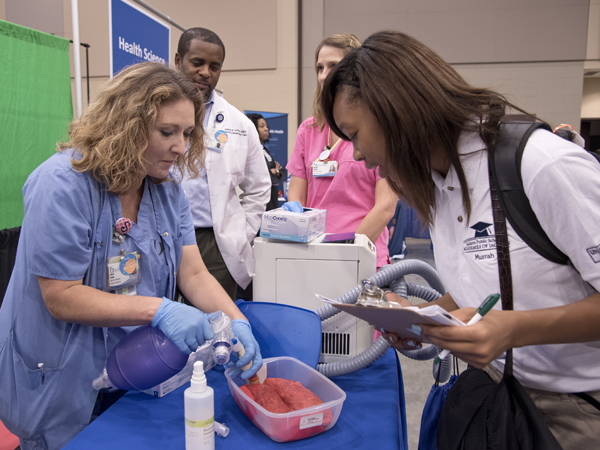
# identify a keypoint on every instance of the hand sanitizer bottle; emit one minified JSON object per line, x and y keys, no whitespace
{"x":199,"y":405}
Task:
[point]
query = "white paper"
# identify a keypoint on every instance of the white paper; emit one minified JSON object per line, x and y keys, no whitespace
{"x":434,"y":312}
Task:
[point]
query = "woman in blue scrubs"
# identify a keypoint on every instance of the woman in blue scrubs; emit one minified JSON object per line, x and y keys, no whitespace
{"x":106,"y":237}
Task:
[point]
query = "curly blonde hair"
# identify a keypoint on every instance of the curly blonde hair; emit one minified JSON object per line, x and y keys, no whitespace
{"x":345,"y":42}
{"x":112,"y":135}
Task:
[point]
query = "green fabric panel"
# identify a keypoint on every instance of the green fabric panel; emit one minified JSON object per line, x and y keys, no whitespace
{"x":35,"y":108}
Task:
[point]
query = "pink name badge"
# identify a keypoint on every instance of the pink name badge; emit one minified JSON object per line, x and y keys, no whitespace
{"x":124,"y":225}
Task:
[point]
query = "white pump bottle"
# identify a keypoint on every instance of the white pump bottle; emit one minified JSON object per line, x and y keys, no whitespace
{"x":199,"y":405}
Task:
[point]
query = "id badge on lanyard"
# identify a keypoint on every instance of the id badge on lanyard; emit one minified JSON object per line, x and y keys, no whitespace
{"x":124,"y":270}
{"x":217,"y":138}
{"x":323,"y":166}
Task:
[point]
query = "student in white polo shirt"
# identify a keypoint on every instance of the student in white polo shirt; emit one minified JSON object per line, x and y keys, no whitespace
{"x":429,"y":133}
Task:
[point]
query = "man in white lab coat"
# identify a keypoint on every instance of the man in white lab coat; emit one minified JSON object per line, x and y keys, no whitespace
{"x":225,"y":224}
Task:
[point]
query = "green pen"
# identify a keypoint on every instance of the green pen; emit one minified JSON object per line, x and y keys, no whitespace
{"x":483,"y":309}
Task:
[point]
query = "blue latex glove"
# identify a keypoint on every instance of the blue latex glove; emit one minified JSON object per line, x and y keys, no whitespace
{"x":243,"y":332}
{"x":293,"y":207}
{"x":186,"y":326}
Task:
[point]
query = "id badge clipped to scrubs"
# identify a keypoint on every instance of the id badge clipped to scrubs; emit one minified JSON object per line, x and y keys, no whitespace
{"x":323,"y":167}
{"x":124,"y":273}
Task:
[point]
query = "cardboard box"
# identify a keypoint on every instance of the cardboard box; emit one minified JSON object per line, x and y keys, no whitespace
{"x":204,"y":354}
{"x":290,"y":226}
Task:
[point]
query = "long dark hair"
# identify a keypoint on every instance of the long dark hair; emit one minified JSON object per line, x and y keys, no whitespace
{"x":422,"y":103}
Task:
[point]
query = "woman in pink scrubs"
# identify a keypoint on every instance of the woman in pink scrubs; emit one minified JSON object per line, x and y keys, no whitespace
{"x":324,"y":174}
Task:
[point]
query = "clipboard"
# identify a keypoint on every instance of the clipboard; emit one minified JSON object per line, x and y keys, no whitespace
{"x":397,"y":320}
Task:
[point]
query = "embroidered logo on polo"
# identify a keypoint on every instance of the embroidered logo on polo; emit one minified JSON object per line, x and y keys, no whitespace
{"x":594,"y":253}
{"x":483,"y":243}
{"x":482,"y":229}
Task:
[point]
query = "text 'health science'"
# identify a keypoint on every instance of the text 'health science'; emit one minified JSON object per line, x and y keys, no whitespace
{"x":136,"y":49}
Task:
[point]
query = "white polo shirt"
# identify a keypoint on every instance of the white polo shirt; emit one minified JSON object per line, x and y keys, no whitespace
{"x":562,"y":182}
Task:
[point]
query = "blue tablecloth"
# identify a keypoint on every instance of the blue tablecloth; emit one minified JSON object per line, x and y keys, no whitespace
{"x":373,"y":416}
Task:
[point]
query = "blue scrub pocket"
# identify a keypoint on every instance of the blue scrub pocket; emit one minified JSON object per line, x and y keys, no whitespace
{"x":177,"y":247}
{"x":27,"y":402}
{"x":169,"y":272}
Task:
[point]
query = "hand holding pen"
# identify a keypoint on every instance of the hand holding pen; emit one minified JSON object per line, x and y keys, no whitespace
{"x":483,"y":309}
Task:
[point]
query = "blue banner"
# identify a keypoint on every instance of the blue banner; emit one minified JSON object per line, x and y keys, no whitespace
{"x":278,"y":142}
{"x":136,"y":36}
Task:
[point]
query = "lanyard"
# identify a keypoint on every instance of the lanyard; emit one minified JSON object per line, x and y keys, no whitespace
{"x":327,"y":151}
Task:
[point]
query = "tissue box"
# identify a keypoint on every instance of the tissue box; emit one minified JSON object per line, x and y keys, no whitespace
{"x":204,"y":354}
{"x":297,"y":227}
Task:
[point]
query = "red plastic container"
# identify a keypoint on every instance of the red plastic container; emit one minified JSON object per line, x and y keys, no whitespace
{"x":298,"y":424}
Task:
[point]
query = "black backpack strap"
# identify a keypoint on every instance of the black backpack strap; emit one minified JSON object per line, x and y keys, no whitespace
{"x":588,"y":398}
{"x":508,"y":154}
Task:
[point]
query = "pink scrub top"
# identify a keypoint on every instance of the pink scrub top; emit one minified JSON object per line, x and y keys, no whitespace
{"x":348,"y":196}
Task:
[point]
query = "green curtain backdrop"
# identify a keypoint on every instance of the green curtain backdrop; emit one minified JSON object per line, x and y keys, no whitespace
{"x":35,"y":108}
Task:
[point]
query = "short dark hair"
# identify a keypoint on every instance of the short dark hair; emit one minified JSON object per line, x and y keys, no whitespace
{"x":254,"y":118}
{"x":201,"y":34}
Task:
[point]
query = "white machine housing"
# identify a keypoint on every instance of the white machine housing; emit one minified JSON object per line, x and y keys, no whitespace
{"x":292,"y":273}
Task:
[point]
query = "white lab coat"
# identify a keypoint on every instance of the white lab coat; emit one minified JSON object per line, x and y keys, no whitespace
{"x":240,"y":163}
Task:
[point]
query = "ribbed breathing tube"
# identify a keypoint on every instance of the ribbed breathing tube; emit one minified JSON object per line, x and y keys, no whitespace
{"x":391,"y":276}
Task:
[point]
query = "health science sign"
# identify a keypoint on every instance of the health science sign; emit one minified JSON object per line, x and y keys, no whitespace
{"x":135,"y":36}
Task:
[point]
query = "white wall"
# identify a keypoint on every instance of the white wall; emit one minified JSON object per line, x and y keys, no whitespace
{"x":260,"y":37}
{"x":531,"y":51}
{"x":312,"y":34}
{"x":593,"y":37}
{"x":590,"y":107}
{"x":551,"y":91}
{"x":462,"y":31}
{"x":270,"y":90}
{"x":46,"y":15}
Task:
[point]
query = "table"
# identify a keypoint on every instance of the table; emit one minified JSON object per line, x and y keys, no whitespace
{"x":373,"y":416}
